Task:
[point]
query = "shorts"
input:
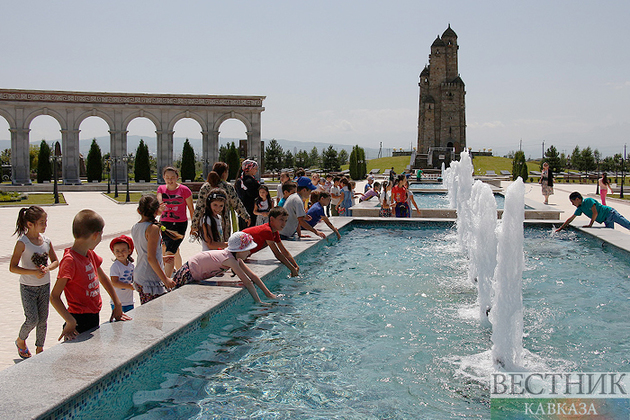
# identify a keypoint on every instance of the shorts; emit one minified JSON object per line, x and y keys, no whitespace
{"x":85,"y":322}
{"x":172,"y":245}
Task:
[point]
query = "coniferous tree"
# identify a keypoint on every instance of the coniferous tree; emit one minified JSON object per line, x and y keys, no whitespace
{"x":223,"y":153}
{"x":274,"y":156}
{"x":362,"y":163}
{"x":519,"y":166}
{"x":288,"y":160}
{"x":142,"y":168}
{"x":313,"y":158}
{"x":330,"y":161}
{"x":301,"y":159}
{"x":94,"y":163}
{"x":44,"y":166}
{"x":552,"y":157}
{"x":233,"y":160}
{"x":188,"y":162}
{"x":354,"y":163}
{"x":343,"y":157}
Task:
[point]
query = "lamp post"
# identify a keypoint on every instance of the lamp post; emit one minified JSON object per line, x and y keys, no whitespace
{"x":125,"y":159}
{"x":56,"y":158}
{"x":623,"y":171}
{"x":109,"y":174}
{"x":597,"y":188}
{"x":116,"y":159}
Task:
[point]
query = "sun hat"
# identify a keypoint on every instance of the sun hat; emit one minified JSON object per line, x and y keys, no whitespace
{"x":122,"y":239}
{"x":241,"y":242}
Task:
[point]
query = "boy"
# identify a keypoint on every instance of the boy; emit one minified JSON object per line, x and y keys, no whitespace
{"x":596,"y":211}
{"x":288,"y":188}
{"x":268,"y":234}
{"x":296,"y":220}
{"x":284,"y":178}
{"x":369,"y":185}
{"x":79,"y":274}
{"x":372,"y":192}
{"x":317,"y":212}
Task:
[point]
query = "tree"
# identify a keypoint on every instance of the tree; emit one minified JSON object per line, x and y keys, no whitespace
{"x":142,"y":167}
{"x":330,"y":161}
{"x":576,"y":158}
{"x":553,"y":159}
{"x":94,"y":163}
{"x":33,"y":152}
{"x":357,"y":163}
{"x":223,"y":153}
{"x":274,"y":156}
{"x":343,"y":157}
{"x":587,"y":160}
{"x":301,"y":159}
{"x":188,"y":162}
{"x":233,"y":160}
{"x":313,"y":158}
{"x":5,"y":157}
{"x":288,"y":160}
{"x":362,"y":163}
{"x":519,"y":166}
{"x":44,"y":170}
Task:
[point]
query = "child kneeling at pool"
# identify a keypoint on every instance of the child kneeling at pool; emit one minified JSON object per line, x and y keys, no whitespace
{"x":211,"y":263}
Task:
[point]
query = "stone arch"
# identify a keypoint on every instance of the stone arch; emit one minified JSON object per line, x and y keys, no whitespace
{"x":8,"y":117}
{"x":233,"y":115}
{"x":187,"y":114}
{"x":95,"y":113}
{"x":142,"y":114}
{"x":45,"y":111}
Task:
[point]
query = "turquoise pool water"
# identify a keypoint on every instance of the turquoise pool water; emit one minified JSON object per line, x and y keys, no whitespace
{"x":430,"y":200}
{"x":370,"y":331}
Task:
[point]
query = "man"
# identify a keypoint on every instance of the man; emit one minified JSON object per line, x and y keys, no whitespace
{"x":596,"y":211}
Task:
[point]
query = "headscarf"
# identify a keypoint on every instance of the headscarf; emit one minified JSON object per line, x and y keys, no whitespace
{"x":248,"y":164}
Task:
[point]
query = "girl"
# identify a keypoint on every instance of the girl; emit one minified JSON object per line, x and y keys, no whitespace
{"x":410,"y":199}
{"x":177,"y":198}
{"x":604,"y":186}
{"x":121,"y":271}
{"x":385,"y":210}
{"x":346,"y":201}
{"x":546,"y":182}
{"x":399,"y":197}
{"x":211,"y":225}
{"x":211,"y":263}
{"x":149,"y":277}
{"x":217,"y":178}
{"x":30,"y":260}
{"x":262,"y":205}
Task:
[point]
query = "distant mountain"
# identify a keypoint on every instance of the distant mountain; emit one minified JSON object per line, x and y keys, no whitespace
{"x":178,"y":145}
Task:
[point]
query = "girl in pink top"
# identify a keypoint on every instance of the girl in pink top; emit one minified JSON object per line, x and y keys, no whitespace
{"x":211,"y":263}
{"x":177,"y":198}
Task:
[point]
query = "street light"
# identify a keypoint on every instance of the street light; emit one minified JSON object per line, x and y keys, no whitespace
{"x":116,"y":160}
{"x":623,"y":169}
{"x":109,"y":174}
{"x":56,"y":159}
{"x":125,"y":159}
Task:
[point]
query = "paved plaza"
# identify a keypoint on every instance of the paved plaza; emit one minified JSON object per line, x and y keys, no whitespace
{"x":119,"y":218}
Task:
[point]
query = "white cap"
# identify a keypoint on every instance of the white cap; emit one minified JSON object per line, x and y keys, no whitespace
{"x":241,"y":242}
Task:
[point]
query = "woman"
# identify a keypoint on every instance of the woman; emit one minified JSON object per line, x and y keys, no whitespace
{"x":546,"y":180}
{"x":247,"y":188}
{"x":604,"y":186}
{"x":217,"y":178}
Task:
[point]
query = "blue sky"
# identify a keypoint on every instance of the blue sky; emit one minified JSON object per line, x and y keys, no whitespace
{"x":342,"y":72}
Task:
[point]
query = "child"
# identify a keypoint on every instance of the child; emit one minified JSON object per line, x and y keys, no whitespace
{"x":262,"y":205}
{"x":317,"y":213}
{"x":410,"y":199}
{"x":284,"y":178}
{"x":30,"y":261}
{"x":149,"y":277}
{"x":399,"y":197}
{"x":269,"y":235}
{"x":288,"y":188}
{"x":121,"y":271}
{"x":210,"y":263}
{"x":79,"y":275}
{"x":372,"y":192}
{"x":211,"y":227}
{"x":370,"y":184}
{"x":385,"y":210}
{"x":313,"y":198}
{"x":297,"y":215}
{"x":346,"y":203}
{"x":336,"y":196}
{"x":178,"y":198}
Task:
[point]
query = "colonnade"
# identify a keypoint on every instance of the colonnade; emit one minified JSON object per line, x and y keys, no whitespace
{"x":20,"y":107}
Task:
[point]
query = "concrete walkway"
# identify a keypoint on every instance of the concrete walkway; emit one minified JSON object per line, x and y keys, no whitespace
{"x":119,"y":218}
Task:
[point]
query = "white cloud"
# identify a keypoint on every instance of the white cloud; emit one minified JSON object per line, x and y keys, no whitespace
{"x":618,"y":85}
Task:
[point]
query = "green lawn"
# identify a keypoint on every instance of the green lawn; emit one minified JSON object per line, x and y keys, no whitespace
{"x":38,"y":199}
{"x":398,"y":162}
{"x":134,"y":197}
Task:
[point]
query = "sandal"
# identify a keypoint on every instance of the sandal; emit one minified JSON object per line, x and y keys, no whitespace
{"x":23,"y":353}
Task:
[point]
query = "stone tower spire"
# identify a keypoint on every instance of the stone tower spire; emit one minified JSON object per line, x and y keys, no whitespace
{"x":442,"y":109}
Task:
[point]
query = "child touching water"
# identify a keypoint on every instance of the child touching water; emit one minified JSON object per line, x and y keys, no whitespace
{"x":79,"y":276}
{"x":210,"y":263}
{"x":121,"y":271}
{"x":262,"y":205}
{"x":30,"y":261}
{"x":211,"y":227}
{"x":149,"y":277}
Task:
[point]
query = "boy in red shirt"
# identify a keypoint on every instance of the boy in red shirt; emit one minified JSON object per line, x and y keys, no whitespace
{"x":79,"y":275}
{"x":268,"y":234}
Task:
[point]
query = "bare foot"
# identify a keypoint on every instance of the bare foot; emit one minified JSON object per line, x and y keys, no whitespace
{"x":39,"y":350}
